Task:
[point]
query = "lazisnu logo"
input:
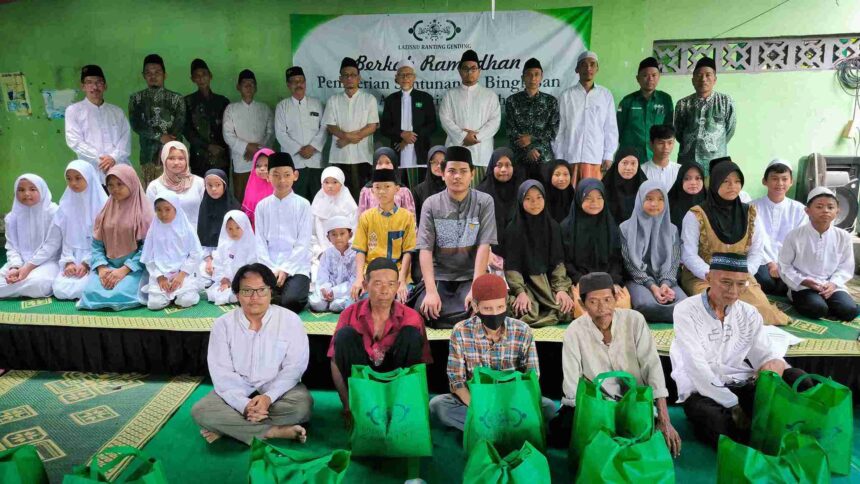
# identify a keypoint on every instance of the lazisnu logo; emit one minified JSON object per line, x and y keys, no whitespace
{"x":434,"y":30}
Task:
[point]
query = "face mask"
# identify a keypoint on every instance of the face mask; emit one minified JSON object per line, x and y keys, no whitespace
{"x":493,"y":321}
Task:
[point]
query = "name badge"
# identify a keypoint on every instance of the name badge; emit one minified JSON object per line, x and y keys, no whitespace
{"x":314,"y":113}
{"x":419,"y":105}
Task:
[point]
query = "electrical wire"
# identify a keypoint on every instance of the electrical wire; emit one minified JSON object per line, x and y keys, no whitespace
{"x":848,"y":74}
{"x":749,"y":20}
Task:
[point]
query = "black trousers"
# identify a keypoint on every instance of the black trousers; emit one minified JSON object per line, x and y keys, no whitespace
{"x":560,"y":428}
{"x":774,"y":287}
{"x":840,"y":306}
{"x":356,"y":176}
{"x":453,"y":296}
{"x":407,"y":350}
{"x":293,"y":295}
{"x":710,"y":419}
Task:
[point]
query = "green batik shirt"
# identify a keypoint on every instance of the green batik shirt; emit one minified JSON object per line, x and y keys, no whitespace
{"x":153,"y":112}
{"x":203,"y":118}
{"x":536,"y":116}
{"x":636,"y":115}
{"x":704,"y":127}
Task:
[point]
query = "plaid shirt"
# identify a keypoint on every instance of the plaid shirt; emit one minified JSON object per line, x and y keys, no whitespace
{"x":470,"y":348}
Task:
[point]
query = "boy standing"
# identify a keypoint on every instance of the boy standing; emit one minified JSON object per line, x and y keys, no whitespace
{"x":248,"y":126}
{"x":204,"y":111}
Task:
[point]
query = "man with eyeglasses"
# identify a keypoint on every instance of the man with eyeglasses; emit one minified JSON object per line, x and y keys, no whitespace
{"x":720,"y":347}
{"x":257,"y":355}
{"x":352,"y":117}
{"x":470,"y":114}
{"x":408,"y":117}
{"x":377,"y":331}
{"x":98,"y":132}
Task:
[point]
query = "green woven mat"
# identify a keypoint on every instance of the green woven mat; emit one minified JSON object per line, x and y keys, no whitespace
{"x":71,"y":416}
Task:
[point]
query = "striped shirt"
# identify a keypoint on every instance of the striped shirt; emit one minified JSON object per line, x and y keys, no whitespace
{"x":470,"y":348}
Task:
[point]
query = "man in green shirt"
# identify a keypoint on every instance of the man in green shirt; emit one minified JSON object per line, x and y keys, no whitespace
{"x":640,"y":110}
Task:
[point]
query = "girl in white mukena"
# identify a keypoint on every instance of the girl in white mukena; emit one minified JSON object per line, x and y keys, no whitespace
{"x":25,"y":274}
{"x":237,"y":246}
{"x":72,"y":231}
{"x":172,"y":254}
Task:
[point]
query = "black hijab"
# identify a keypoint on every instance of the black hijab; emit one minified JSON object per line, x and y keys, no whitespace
{"x":589,"y":240}
{"x":680,"y":202}
{"x":557,"y":201}
{"x":212,"y":211}
{"x":532,"y":242}
{"x":504,"y":194}
{"x":431,"y":185}
{"x":728,"y":218}
{"x":392,"y":155}
{"x":621,"y":193}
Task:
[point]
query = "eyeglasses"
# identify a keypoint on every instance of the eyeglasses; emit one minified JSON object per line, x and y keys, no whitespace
{"x":406,"y":76}
{"x":248,"y":292}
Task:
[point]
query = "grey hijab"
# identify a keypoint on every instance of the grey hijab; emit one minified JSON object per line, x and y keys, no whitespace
{"x":642,"y":232}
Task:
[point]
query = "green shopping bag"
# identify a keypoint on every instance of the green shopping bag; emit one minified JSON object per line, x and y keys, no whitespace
{"x":142,"y":469}
{"x":800,"y":459}
{"x":630,"y":417}
{"x":22,"y":465}
{"x":279,"y":465}
{"x":390,"y":412}
{"x":824,"y":412}
{"x":505,"y":409}
{"x":524,"y":466}
{"x":620,"y":460}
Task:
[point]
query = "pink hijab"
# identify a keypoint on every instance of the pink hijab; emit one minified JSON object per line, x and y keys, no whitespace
{"x":176,"y":182}
{"x":121,"y":224}
{"x":257,"y":188}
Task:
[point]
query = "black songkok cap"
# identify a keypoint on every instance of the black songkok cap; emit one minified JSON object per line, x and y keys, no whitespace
{"x":594,"y":281}
{"x":649,"y":62}
{"x":198,"y":64}
{"x":469,"y":55}
{"x":153,"y":59}
{"x":92,"y":70}
{"x":458,"y":153}
{"x":706,"y":62}
{"x":532,"y":64}
{"x":729,"y":261}
{"x":294,"y":71}
{"x":384,"y":175}
{"x":246,"y":74}
{"x":349,"y":62}
{"x":281,"y":159}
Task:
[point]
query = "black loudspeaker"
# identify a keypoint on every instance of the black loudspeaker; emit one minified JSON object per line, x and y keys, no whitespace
{"x":840,"y":174}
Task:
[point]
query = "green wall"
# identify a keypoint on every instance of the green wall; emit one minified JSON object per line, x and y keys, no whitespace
{"x":788,"y":114}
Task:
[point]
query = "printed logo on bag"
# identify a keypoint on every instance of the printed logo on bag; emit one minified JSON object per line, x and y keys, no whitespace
{"x":379,"y":415}
{"x":435,"y":30}
{"x":820,"y":434}
{"x":509,"y":417}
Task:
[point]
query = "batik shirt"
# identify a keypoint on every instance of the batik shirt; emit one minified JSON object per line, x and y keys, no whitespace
{"x":536,"y":116}
{"x":704,"y":127}
{"x":153,"y":112}
{"x":203,"y":117}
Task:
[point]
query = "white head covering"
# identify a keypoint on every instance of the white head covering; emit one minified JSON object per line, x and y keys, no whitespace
{"x":405,"y":63}
{"x":27,"y":227}
{"x":586,"y":55}
{"x":78,"y":211}
{"x":324,"y":206}
{"x":233,"y":254}
{"x":168,"y":245}
{"x":642,"y":232}
{"x":338,"y":222}
{"x":817,"y":191}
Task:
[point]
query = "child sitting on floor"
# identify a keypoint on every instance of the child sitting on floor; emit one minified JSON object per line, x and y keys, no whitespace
{"x":336,"y":271}
{"x":171,"y":253}
{"x":217,"y":201}
{"x":333,"y":200}
{"x":29,"y":272}
{"x":817,"y":259}
{"x":118,"y":234}
{"x":237,"y":246}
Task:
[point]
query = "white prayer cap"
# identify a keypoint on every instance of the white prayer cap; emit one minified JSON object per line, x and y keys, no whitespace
{"x":778,"y":161}
{"x":588,"y":54}
{"x":818,"y":191}
{"x":405,"y":63}
{"x":337,"y":222}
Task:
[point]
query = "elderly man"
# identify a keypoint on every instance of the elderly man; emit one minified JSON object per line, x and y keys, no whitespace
{"x":639,"y":111}
{"x":257,"y":355}
{"x":490,"y":339}
{"x":719,"y":349}
{"x":408,"y":118}
{"x":610,"y":339}
{"x":532,"y":122}
{"x":471,"y":114}
{"x":705,"y":120}
{"x":377,"y":331}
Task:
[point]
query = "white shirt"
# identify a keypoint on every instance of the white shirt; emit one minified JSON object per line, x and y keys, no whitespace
{"x":690,"y":248}
{"x":471,"y":107}
{"x":285,"y":225}
{"x":55,"y":244}
{"x":298,"y":124}
{"x":588,"y":129}
{"x":777,"y":220}
{"x":665,"y":176}
{"x":93,"y":131}
{"x":407,"y":154}
{"x":806,"y":254}
{"x":270,"y":361}
{"x":351,"y":114}
{"x":244,"y":124}
{"x":706,"y":354}
{"x":189,"y":200}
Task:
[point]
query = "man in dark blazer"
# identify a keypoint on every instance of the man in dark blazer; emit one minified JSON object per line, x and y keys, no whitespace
{"x":408,"y":118}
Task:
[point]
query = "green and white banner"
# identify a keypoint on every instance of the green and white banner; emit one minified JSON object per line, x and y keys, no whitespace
{"x":434,"y":42}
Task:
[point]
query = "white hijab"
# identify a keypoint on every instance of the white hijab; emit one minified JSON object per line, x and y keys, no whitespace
{"x":233,"y":254}
{"x":78,"y":211}
{"x":325,"y":206}
{"x":168,"y":246}
{"x":27,"y":227}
